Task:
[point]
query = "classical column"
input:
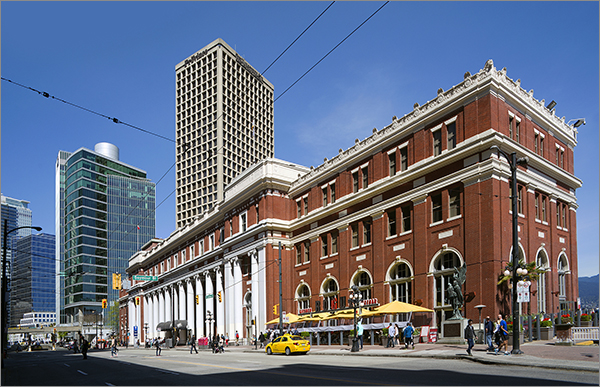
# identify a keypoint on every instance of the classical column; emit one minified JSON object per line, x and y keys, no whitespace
{"x":161,"y":306}
{"x":209,"y":302}
{"x":175,"y":296}
{"x":220,"y":305}
{"x":228,"y":297}
{"x":146,"y":318}
{"x":255,"y":285}
{"x":156,"y":311}
{"x":200,"y":317}
{"x":131,"y":319}
{"x":238,"y":298}
{"x":182,"y":301}
{"x":168,"y":304}
{"x":150,"y":315}
{"x":191,"y":299}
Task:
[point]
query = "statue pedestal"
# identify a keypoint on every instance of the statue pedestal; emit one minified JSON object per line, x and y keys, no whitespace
{"x":453,"y":331}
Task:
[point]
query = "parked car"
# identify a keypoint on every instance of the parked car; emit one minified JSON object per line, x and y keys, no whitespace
{"x":288,"y":344}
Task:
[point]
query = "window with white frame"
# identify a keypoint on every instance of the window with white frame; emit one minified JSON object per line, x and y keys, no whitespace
{"x":436,"y":208}
{"x":541,"y":261}
{"x":355,"y":181}
{"x":400,"y":283}
{"x":362,"y":280}
{"x":437,"y":141}
{"x":334,"y":242}
{"x":366,"y":224}
{"x":391,"y":218}
{"x":406,"y":218}
{"x":392,"y":163}
{"x":243,"y":221}
{"x":332,"y":192}
{"x":365,"y":177}
{"x":404,"y":158}
{"x":330,"y":294}
{"x":324,"y":246}
{"x":454,"y":201}
{"x":444,"y":270}
{"x":451,"y":132}
{"x":303,"y":297}
{"x":307,"y":251}
{"x":563,"y":270}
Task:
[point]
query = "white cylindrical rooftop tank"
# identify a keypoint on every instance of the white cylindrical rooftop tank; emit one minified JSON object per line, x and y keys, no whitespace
{"x":107,"y":149}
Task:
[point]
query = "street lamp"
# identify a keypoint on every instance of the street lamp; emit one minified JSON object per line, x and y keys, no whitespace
{"x":5,"y":286}
{"x":209,"y":321}
{"x":514,"y":162}
{"x":355,"y":301}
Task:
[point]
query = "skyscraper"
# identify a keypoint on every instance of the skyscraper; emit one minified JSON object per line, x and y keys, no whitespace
{"x":18,"y":214}
{"x":224,"y":123}
{"x":33,"y":276}
{"x":105,"y":212}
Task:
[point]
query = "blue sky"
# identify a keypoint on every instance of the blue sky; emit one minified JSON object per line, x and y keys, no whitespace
{"x":118,"y":59}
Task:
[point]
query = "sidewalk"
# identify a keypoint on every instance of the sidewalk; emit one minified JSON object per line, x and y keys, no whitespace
{"x":542,"y":354}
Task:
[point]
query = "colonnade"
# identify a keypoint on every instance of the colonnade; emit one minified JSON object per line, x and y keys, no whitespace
{"x":176,"y":300}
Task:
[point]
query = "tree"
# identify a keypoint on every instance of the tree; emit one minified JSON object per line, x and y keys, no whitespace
{"x":112,"y":320}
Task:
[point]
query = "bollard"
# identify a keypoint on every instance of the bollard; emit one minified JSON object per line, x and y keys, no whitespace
{"x":538,"y":328}
{"x":529,"y":327}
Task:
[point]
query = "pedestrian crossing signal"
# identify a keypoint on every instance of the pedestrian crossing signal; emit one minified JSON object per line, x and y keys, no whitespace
{"x":104,"y":302}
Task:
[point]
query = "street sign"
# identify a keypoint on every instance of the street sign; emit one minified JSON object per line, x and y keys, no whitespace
{"x":145,"y":278}
{"x":285,"y":319}
{"x":523,"y":291}
{"x":208,"y":296}
{"x":135,"y":331}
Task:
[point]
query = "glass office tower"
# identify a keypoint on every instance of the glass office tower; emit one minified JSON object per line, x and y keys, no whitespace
{"x":106,"y":208}
{"x":33,"y":277}
{"x":18,"y":214}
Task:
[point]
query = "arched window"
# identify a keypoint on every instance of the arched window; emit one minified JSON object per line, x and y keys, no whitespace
{"x":444,"y":266}
{"x":400,"y":281}
{"x":330,"y":294}
{"x":303,"y":297}
{"x":563,"y":269}
{"x":542,"y":262}
{"x":362,"y":279}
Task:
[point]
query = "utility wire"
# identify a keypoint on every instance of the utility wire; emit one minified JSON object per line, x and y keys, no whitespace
{"x":280,"y":55}
{"x":113,"y":119}
{"x":333,"y":49}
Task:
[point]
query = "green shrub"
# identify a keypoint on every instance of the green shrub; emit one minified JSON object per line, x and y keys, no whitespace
{"x":546,"y":323}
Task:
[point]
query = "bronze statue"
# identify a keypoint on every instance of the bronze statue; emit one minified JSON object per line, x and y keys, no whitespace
{"x":454,"y":292}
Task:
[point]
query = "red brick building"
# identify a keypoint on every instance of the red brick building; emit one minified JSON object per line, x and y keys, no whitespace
{"x":394,"y":215}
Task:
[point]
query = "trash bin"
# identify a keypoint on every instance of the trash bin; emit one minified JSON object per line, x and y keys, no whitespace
{"x":169,"y":343}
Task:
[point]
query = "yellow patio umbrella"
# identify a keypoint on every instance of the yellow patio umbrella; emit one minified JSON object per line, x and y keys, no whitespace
{"x":291,"y":316}
{"x":399,"y":307}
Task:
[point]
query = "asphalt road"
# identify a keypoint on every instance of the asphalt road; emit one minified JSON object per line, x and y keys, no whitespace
{"x":141,"y":367}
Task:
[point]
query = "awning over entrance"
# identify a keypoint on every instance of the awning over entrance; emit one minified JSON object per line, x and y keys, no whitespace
{"x":168,"y":325}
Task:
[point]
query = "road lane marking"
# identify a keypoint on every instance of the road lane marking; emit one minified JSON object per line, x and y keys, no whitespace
{"x":68,"y":365}
{"x":108,"y":384}
{"x":168,"y":372}
{"x":275,"y":373}
{"x":81,"y":372}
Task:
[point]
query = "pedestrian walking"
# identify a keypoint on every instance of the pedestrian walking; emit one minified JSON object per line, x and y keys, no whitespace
{"x":157,"y":345}
{"x":261,"y":338}
{"x":407,"y":332}
{"x":359,"y":332}
{"x":237,"y":338}
{"x":113,"y":347}
{"x":391,"y":335}
{"x":470,"y":336}
{"x":503,"y":331}
{"x":193,"y":344}
{"x":489,"y":333}
{"x":84,"y":348}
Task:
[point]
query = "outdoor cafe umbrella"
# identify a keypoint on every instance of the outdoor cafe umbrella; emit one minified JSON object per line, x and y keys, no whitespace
{"x":291,"y":316}
{"x":398,"y":307}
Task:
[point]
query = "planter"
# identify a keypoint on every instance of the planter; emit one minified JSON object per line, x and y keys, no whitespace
{"x":546,"y":333}
{"x":384,"y":341}
{"x":510,"y":338}
{"x":563,"y":332}
{"x":586,"y":323}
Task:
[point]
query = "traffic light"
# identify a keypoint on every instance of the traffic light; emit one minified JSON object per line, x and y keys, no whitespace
{"x":116,"y":281}
{"x":137,"y":300}
{"x":220,"y":297}
{"x":104,"y":302}
{"x":197,"y":299}
{"x":275,"y":309}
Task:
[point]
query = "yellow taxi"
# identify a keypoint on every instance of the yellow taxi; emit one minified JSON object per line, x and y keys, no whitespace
{"x":288,"y":344}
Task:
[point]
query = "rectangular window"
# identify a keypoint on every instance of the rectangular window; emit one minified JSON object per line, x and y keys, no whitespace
{"x":334,"y":239}
{"x":391,"y":215}
{"x":332,"y":192}
{"x":355,"y":180}
{"x":454,"y":196}
{"x":211,"y":239}
{"x":510,"y":127}
{"x":544,"y":218}
{"x":537,"y":206}
{"x":201,"y":248}
{"x":406,"y":223}
{"x":562,"y":158}
{"x":557,"y":214}
{"x":305,"y":206}
{"x":536,"y":141}
{"x":564,"y":216}
{"x":437,"y":142}
{"x":365,"y":177}
{"x":518,"y":131}
{"x":307,"y":251}
{"x":436,"y":208}
{"x":243,"y":222}
{"x":366,"y":232}
{"x":324,"y":251}
{"x":298,"y":255}
{"x":403,"y":158}
{"x":392,"y":163}
{"x":557,"y":155}
{"x":257,"y":214}
{"x":354,"y":235}
{"x":519,"y":199}
{"x":451,"y":128}
{"x":324,"y":196}
{"x":542,"y":146}
{"x":299,"y":207}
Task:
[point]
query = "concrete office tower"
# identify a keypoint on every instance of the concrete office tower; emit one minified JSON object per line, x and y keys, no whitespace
{"x":18,"y":214}
{"x":33,"y":277}
{"x":105,"y":213}
{"x":224,"y":124}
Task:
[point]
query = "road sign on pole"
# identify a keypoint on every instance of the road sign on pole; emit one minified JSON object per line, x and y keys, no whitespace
{"x":145,"y":278}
